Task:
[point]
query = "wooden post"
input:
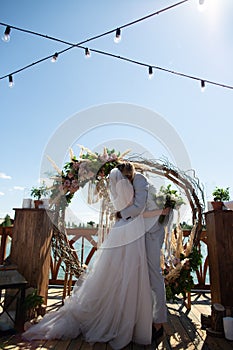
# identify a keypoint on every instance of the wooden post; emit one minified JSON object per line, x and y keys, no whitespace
{"x":30,"y":248}
{"x":219,"y":227}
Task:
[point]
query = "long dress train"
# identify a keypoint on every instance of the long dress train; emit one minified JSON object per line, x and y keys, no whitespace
{"x":112,"y":301}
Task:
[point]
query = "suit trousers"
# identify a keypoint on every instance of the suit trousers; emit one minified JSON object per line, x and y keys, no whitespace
{"x":154,"y":242}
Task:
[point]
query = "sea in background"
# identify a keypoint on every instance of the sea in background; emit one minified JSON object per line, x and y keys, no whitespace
{"x":88,"y":247}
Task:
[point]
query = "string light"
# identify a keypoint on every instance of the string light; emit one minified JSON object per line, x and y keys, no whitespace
{"x":202,"y":85}
{"x":71,"y":46}
{"x":54,"y":58}
{"x":117,"y":38}
{"x":87,"y":52}
{"x":99,"y":35}
{"x":84,"y":41}
{"x":150,"y":70}
{"x":201,"y":5}
{"x":6,"y":35}
{"x":11,"y":83}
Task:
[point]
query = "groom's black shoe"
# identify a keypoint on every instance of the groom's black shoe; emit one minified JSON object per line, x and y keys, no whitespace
{"x":157,"y":333}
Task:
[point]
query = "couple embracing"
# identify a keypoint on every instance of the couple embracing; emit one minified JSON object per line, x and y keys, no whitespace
{"x":121,"y":298}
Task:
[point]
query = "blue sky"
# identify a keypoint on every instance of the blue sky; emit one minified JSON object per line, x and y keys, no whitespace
{"x":46,"y":96}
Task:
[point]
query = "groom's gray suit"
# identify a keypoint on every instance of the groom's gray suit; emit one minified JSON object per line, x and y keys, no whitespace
{"x":154,"y":239}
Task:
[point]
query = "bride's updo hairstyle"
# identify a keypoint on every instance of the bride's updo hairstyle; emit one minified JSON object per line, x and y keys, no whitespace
{"x":127,"y":169}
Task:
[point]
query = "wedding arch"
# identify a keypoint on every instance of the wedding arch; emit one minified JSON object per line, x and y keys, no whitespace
{"x":92,"y":169}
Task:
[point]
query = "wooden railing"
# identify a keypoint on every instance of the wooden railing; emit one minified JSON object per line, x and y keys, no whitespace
{"x":202,"y":272}
{"x":85,"y":236}
{"x":85,"y":254}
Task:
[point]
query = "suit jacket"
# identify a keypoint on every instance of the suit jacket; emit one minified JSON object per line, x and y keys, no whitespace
{"x":141,"y":186}
{"x":143,"y":200}
{"x":151,"y":224}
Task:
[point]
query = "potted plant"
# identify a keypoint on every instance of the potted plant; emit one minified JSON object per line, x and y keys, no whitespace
{"x":38,"y":192}
{"x":33,"y":305}
{"x":220,"y":195}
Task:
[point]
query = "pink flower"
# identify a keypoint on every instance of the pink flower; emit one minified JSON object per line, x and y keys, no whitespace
{"x":104,"y":157}
{"x":75,"y":165}
{"x":74,"y":184}
{"x":113,"y":157}
{"x":66,"y":183}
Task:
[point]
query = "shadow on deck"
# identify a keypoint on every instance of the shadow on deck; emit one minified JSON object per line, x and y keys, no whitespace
{"x":182,"y":331}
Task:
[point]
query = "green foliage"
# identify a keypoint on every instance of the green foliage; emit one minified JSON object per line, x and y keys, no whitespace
{"x":38,"y":192}
{"x":195,"y":259}
{"x":7,"y":221}
{"x":186,"y":226}
{"x":91,"y":223}
{"x":33,"y":300}
{"x":221,"y":194}
{"x":181,"y":286}
{"x":184,"y":282}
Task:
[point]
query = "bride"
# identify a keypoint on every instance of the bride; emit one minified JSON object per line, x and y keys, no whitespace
{"x":112,"y":301}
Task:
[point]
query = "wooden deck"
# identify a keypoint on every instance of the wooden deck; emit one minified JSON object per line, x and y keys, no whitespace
{"x":183,"y":330}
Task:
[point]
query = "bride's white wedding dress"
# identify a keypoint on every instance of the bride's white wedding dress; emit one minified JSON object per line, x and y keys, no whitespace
{"x":112,"y":301}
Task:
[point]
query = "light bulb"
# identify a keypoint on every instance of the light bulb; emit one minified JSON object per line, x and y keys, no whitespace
{"x":6,"y":35}
{"x":202,"y":85}
{"x":87,"y":52}
{"x":11,"y":83}
{"x":150,"y":70}
{"x":117,"y":38}
{"x":201,"y":5}
{"x":54,"y":58}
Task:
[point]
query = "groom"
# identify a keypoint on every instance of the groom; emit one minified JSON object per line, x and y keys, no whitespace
{"x":154,"y":239}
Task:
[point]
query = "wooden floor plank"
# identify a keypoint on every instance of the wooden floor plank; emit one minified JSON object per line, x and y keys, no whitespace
{"x":87,"y":346}
{"x":62,"y":344}
{"x":135,"y":346}
{"x":182,"y":331}
{"x":16,"y":342}
{"x":100,"y":346}
{"x":75,"y":344}
{"x":218,"y":343}
{"x":180,"y":335}
{"x":49,"y":344}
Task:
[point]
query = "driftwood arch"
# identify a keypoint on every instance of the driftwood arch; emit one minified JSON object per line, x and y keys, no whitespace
{"x":186,"y":180}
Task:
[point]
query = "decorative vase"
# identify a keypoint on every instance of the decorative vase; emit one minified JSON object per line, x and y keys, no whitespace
{"x":217,"y":205}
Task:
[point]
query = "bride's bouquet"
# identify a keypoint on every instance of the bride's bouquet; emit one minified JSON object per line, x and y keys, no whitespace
{"x":167,"y":198}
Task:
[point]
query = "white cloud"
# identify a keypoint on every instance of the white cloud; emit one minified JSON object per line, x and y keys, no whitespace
{"x":20,"y":188}
{"x":4,"y":176}
{"x":2,"y":194}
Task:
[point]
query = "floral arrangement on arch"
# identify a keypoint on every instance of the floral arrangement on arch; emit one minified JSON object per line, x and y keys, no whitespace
{"x":88,"y":167}
{"x":184,"y":260}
